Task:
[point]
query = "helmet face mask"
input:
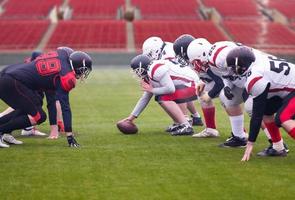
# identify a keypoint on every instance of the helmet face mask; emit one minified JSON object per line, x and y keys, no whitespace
{"x":199,"y":66}
{"x":81,"y":63}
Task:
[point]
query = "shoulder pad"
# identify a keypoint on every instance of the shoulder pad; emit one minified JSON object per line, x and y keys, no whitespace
{"x":68,"y":81}
{"x":158,"y":69}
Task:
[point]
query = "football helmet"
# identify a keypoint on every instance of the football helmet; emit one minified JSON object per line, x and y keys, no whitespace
{"x":67,"y":49}
{"x":240,"y":59}
{"x":81,"y":63}
{"x":153,"y":47}
{"x":197,"y":53}
{"x":180,"y":48}
{"x":140,"y":64}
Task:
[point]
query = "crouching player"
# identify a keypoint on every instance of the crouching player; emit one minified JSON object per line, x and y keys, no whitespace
{"x":56,"y":71}
{"x":170,"y":84}
{"x":270,"y":81}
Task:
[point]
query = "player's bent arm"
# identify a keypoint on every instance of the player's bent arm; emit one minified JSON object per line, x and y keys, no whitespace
{"x":141,"y":104}
{"x":218,"y":84}
{"x":167,"y":86}
{"x":51,"y":107}
{"x":257,"y":114}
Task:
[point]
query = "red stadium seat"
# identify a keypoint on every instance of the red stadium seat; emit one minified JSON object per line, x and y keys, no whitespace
{"x":286,"y":7}
{"x":167,"y":9}
{"x":29,"y":9}
{"x":94,"y":9}
{"x":235,"y":9}
{"x":89,"y":34}
{"x":170,"y":30}
{"x":17,"y":35}
{"x":261,"y":34}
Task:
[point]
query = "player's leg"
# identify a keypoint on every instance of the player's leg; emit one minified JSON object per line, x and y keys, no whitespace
{"x":19,"y":97}
{"x":235,"y":112}
{"x":182,"y":126}
{"x":286,"y":114}
{"x":6,"y":111}
{"x":195,"y":116}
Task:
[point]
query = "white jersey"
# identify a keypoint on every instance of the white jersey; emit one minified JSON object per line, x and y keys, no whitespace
{"x":179,"y":75}
{"x":268,"y":69}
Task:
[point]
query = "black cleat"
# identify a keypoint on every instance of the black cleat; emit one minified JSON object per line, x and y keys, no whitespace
{"x":234,"y":142}
{"x":197,"y":121}
{"x":183,"y":130}
{"x":272,"y":152}
{"x":172,"y":127}
{"x":269,"y":149}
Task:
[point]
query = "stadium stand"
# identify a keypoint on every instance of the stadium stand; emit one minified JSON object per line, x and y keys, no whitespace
{"x":170,"y":30}
{"x":93,"y":34}
{"x":167,"y":9}
{"x":261,"y":34}
{"x":233,"y":9}
{"x":31,"y":9}
{"x":18,"y":35}
{"x":286,"y":7}
{"x":93,"y":9}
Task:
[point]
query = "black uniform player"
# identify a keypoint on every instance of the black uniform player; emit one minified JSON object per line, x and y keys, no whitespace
{"x":56,"y":71}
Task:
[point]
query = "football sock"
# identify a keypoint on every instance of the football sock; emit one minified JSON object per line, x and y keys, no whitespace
{"x":209,"y":115}
{"x":279,"y":146}
{"x":274,"y":131}
{"x":267,"y":133}
{"x":292,"y":133}
{"x":196,"y":115}
{"x":237,"y":126}
{"x":19,"y":122}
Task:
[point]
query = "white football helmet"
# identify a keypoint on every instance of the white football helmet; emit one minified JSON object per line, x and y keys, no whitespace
{"x":198,"y":52}
{"x":153,"y":47}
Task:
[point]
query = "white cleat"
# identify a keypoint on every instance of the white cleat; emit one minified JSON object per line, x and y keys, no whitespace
{"x":32,"y":132}
{"x":207,"y":133}
{"x":2,"y":143}
{"x":10,"y":139}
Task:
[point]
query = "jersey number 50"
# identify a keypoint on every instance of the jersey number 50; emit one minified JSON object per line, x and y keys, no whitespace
{"x":280,"y":67}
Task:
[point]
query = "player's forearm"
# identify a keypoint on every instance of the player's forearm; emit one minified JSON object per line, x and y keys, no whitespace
{"x":218,"y":84}
{"x":141,"y":104}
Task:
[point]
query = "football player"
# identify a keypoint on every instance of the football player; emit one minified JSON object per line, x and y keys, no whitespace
{"x":157,"y":49}
{"x":180,"y":47}
{"x":270,"y":81}
{"x":57,"y":71}
{"x":170,"y":84}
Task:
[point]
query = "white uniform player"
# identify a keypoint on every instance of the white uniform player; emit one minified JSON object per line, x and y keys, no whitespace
{"x":157,"y":49}
{"x":170,"y":84}
{"x":270,"y":82}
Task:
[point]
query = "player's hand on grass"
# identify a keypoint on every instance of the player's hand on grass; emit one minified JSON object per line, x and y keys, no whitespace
{"x":72,"y":141}
{"x":146,"y":86}
{"x":248,"y":152}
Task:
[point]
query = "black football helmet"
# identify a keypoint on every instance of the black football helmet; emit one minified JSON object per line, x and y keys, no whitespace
{"x":180,"y":46}
{"x":239,"y":59}
{"x":140,"y":64}
{"x":67,"y":49}
{"x":81,"y":63}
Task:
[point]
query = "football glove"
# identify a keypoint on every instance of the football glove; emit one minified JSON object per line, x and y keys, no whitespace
{"x":72,"y":142}
{"x":227,"y":93}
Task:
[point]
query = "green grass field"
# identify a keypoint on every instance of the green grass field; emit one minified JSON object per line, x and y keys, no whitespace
{"x":149,"y":165}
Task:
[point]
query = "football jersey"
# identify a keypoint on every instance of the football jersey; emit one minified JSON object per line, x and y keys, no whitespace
{"x":270,"y":69}
{"x":179,"y":75}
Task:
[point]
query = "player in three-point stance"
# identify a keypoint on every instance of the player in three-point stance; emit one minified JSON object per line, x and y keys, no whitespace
{"x":56,"y":71}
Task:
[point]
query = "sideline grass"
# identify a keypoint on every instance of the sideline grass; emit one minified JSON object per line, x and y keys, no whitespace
{"x":149,"y":165}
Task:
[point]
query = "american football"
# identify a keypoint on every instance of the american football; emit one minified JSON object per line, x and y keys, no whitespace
{"x":127,"y":127}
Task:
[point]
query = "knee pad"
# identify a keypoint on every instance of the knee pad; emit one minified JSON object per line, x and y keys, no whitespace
{"x":248,"y":106}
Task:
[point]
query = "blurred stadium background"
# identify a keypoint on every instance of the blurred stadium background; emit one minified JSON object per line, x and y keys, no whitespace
{"x":100,"y":26}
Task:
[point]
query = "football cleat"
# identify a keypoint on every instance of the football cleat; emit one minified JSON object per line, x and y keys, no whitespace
{"x":207,"y":133}
{"x":234,"y":142}
{"x":267,"y":151}
{"x":172,"y":127}
{"x":10,"y":139}
{"x":272,"y":152}
{"x":197,"y":121}
{"x":183,"y":130}
{"x":32,"y":131}
{"x":2,"y":143}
